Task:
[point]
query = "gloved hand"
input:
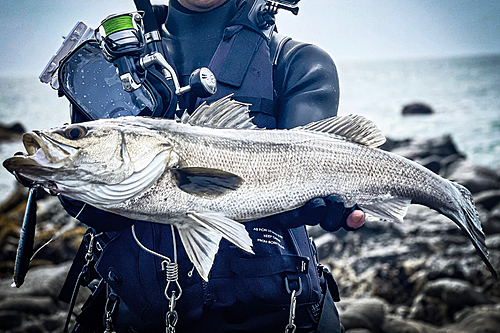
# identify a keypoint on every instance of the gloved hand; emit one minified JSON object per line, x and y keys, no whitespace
{"x":329,"y":212}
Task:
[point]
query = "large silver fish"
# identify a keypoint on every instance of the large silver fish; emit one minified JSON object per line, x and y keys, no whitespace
{"x":207,"y":172}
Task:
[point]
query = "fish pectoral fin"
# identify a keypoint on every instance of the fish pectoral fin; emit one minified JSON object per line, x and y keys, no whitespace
{"x":205,"y":181}
{"x":353,"y":128}
{"x":201,"y":245}
{"x":393,"y":209}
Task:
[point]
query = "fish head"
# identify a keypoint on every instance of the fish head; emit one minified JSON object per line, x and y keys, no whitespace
{"x":81,"y":158}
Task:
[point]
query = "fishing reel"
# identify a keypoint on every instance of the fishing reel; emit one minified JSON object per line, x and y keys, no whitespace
{"x":122,"y":40}
{"x":124,"y":43}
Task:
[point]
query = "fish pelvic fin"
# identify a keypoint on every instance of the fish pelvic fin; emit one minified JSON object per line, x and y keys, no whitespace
{"x":465,"y":215}
{"x":392,"y":209}
{"x":353,"y":128}
{"x":201,"y":238}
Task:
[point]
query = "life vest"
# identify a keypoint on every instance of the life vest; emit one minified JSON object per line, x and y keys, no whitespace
{"x":259,"y":284}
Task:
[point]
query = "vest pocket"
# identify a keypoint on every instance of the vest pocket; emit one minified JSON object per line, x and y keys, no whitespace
{"x":264,"y":280}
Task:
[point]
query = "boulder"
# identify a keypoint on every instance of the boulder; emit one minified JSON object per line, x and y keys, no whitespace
{"x":42,"y":281}
{"x":488,"y":199}
{"x":476,"y":178}
{"x":432,"y":163}
{"x":419,"y":149}
{"x":482,"y":319}
{"x":11,"y":132}
{"x":29,"y":304}
{"x":394,"y":324}
{"x":417,"y":108}
{"x":456,"y":293}
{"x":441,"y":299}
{"x":10,"y":319}
{"x":365,"y":313}
{"x":491,"y":225}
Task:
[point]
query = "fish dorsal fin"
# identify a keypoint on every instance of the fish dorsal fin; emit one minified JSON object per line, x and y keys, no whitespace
{"x":223,"y":113}
{"x":354,"y":128}
{"x":393,"y":209}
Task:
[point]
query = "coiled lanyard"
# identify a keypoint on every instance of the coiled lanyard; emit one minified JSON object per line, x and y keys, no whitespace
{"x":173,"y":290}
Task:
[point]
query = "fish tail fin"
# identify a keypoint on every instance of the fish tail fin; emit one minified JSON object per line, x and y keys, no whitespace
{"x":201,"y":239}
{"x":467,"y":218}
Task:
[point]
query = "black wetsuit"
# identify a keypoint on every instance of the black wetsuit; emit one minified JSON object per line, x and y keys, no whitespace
{"x":245,"y":293}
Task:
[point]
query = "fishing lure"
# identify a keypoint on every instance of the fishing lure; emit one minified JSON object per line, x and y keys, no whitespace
{"x":26,"y":239}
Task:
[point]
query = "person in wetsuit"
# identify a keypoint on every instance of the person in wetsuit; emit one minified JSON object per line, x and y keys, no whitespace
{"x":288,"y":84}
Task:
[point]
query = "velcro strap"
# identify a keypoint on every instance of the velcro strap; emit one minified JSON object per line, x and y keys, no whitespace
{"x":264,"y":266}
{"x":240,"y":55}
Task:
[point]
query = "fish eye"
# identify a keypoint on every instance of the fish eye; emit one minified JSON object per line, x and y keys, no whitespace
{"x":75,"y":132}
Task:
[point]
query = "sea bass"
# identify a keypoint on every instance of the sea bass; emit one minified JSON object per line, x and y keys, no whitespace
{"x":205,"y":173}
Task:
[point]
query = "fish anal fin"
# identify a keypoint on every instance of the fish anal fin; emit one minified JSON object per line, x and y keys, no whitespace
{"x":201,"y":245}
{"x":393,"y":209}
{"x":205,"y":181}
{"x":353,"y":128}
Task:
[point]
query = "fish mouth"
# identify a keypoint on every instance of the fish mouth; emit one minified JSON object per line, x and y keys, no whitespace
{"x":46,"y":151}
{"x":43,"y":155}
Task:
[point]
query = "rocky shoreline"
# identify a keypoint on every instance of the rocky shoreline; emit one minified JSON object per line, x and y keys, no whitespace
{"x":419,"y":276}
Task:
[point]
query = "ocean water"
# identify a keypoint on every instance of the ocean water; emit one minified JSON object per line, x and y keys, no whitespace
{"x":464,"y":92}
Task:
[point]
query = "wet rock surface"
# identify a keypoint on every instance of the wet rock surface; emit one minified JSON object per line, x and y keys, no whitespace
{"x":419,"y":276}
{"x":425,"y":271}
{"x":417,"y":108}
{"x":10,"y":132}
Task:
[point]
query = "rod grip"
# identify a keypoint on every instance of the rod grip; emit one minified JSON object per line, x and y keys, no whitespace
{"x":149,"y":19}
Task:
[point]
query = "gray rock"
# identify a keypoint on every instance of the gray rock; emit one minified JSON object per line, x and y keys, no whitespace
{"x":455,"y":293}
{"x":394,"y":324}
{"x":488,"y":199}
{"x":10,"y":319}
{"x":420,"y":149}
{"x":432,"y":163}
{"x":11,"y":132}
{"x":417,"y":108}
{"x":55,"y":322}
{"x":40,"y":281}
{"x":29,"y":304}
{"x":482,"y":319}
{"x":491,"y":225}
{"x":430,"y":310}
{"x":475,"y":177}
{"x":449,"y":160}
{"x":442,"y":298}
{"x":493,"y":242}
{"x":359,"y":330}
{"x":365,"y":313}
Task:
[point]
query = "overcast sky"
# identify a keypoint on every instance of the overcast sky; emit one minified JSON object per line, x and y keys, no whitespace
{"x":31,"y":31}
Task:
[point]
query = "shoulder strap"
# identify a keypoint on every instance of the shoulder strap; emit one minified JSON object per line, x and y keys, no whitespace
{"x":276,"y":45}
{"x":240,"y":55}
